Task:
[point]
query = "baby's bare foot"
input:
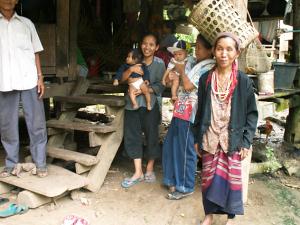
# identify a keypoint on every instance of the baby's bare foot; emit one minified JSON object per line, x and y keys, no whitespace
{"x":174,"y":98}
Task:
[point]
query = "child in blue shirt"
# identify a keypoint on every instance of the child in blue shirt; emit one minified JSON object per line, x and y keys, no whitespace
{"x":135,"y":81}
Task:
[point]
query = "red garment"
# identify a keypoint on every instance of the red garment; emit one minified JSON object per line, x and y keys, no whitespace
{"x":164,"y":55}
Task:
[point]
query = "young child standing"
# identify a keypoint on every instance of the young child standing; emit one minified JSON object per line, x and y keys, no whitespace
{"x":135,"y":81}
{"x":180,"y":57}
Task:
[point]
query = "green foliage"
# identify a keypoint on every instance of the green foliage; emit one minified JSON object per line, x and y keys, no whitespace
{"x":189,"y":39}
{"x":288,"y":221}
{"x":273,"y":164}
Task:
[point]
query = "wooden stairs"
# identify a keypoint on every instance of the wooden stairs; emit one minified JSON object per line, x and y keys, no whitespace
{"x":91,"y":170}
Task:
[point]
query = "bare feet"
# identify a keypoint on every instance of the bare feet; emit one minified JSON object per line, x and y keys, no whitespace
{"x":207,"y":219}
{"x":135,"y":106}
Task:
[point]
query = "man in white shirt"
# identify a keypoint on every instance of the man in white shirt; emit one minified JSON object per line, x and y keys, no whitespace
{"x":20,"y":80}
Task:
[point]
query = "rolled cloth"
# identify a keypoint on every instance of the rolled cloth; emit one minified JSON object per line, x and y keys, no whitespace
{"x":231,"y":35}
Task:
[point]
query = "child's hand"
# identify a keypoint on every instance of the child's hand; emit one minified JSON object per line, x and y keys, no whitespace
{"x":137,"y":69}
{"x":180,"y":68}
{"x":116,"y":83}
{"x":163,"y":82}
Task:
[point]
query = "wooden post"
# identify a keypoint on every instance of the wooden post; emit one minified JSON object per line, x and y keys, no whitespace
{"x":74,"y":15}
{"x":62,"y":38}
{"x":296,"y":37}
{"x":292,"y":128}
{"x":107,"y":151}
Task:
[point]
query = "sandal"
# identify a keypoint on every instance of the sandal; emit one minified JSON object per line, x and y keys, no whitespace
{"x":42,"y":172}
{"x":6,"y":172}
{"x":128,"y":182}
{"x":13,"y":209}
{"x":178,"y":195}
{"x":150,"y":177}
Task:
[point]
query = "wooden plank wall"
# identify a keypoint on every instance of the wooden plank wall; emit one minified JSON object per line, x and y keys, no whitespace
{"x":74,"y":15}
{"x":47,"y":35}
{"x":62,"y":38}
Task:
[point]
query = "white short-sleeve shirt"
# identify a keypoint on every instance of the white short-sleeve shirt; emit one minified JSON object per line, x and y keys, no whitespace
{"x":19,"y":42}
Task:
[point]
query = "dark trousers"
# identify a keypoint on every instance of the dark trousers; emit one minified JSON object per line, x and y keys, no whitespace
{"x":137,"y":122}
{"x":179,"y":156}
{"x":33,"y":109}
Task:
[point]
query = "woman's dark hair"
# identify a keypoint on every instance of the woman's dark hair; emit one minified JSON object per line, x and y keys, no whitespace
{"x":137,"y":55}
{"x":151,"y":35}
{"x":170,"y":24}
{"x":203,"y":41}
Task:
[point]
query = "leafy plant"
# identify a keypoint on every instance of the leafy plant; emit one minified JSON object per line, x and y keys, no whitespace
{"x":273,"y":163}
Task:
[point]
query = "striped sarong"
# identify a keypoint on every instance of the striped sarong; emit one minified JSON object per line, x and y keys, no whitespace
{"x":222,"y":183}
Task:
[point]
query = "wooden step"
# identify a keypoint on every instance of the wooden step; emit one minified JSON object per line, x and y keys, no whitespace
{"x":93,"y":99}
{"x":58,"y":181}
{"x":60,"y":153}
{"x":62,"y":124}
{"x":108,"y":88}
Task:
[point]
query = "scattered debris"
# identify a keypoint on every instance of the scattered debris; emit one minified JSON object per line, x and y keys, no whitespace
{"x":85,"y":201}
{"x":292,"y":167}
{"x":74,"y":220}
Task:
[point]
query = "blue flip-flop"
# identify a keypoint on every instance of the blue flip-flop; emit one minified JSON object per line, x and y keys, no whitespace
{"x":128,"y":182}
{"x":13,"y":209}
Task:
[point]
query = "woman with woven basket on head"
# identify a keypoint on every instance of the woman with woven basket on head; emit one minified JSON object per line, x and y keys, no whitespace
{"x":224,"y":128}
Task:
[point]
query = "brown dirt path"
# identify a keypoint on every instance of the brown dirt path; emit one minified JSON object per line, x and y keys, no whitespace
{"x":144,"y":204}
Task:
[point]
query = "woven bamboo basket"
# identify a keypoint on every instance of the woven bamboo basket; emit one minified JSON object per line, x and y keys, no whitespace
{"x":211,"y":17}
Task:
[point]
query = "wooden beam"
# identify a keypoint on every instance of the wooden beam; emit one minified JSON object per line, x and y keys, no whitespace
{"x":93,"y":99}
{"x":279,"y":94}
{"x":74,"y":15}
{"x":80,"y":169}
{"x":59,"y":153}
{"x":32,"y":200}
{"x":56,"y":89}
{"x":107,"y":152}
{"x":81,"y":126}
{"x":58,"y":181}
{"x":62,"y":38}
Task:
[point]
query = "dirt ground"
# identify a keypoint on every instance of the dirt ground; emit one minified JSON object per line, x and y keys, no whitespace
{"x":269,"y":202}
{"x":145,"y":204}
